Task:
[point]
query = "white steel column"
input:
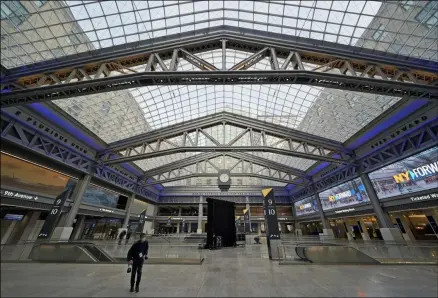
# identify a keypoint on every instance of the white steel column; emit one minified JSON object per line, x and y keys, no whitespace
{"x":200,"y":210}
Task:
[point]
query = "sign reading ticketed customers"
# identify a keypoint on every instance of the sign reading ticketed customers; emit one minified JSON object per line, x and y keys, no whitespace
{"x":52,"y":218}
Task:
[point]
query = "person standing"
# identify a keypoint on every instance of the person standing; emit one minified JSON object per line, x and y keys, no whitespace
{"x":136,"y":256}
{"x":128,"y":235}
{"x":121,"y":236}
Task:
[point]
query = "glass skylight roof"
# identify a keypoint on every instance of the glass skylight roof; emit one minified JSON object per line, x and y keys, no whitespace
{"x":34,"y":31}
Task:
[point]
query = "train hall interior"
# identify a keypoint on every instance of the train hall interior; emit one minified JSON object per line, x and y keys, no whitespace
{"x":247,"y":148}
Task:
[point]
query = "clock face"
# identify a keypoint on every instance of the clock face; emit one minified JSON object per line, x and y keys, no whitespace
{"x":224,"y":177}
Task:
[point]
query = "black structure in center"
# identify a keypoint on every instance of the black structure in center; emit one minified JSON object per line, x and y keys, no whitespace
{"x":221,"y":222}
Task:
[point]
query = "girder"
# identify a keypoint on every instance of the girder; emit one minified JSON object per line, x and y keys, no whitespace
{"x":274,"y":170}
{"x":207,"y":39}
{"x":149,"y":68}
{"x":255,"y":135}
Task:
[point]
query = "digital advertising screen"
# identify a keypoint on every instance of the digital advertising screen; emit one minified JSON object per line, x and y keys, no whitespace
{"x":23,"y":176}
{"x":344,"y":195}
{"x":306,"y":206}
{"x":416,"y":173}
{"x":96,"y":195}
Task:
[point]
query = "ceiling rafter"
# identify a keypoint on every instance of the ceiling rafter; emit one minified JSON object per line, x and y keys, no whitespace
{"x":282,"y":141}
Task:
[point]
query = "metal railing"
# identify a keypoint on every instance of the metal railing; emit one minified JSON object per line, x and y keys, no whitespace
{"x":382,"y":251}
{"x":22,"y":251}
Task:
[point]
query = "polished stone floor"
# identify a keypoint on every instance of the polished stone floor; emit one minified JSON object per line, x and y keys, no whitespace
{"x":225,"y":273}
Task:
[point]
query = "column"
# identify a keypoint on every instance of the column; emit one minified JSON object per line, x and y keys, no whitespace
{"x":248,"y":207}
{"x":178,"y":225}
{"x":151,"y":212}
{"x":64,"y":233}
{"x":327,"y":232}
{"x":200,"y":210}
{"x":127,"y":214}
{"x":27,"y":233}
{"x":387,"y":229}
{"x":297,"y":230}
{"x":79,"y":227}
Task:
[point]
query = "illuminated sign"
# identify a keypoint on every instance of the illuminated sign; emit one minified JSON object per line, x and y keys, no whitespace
{"x":106,"y":210}
{"x":19,"y":195}
{"x":417,"y":173}
{"x":305,"y":206}
{"x":425,"y":197}
{"x":341,"y":195}
{"x":345,"y":210}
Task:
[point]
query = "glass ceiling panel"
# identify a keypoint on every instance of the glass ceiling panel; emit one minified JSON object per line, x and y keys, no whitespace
{"x":32,"y":32}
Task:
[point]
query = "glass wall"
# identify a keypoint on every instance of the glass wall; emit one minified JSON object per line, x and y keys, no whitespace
{"x":306,"y":206}
{"x":416,"y":173}
{"x":344,"y":195}
{"x":20,"y":175}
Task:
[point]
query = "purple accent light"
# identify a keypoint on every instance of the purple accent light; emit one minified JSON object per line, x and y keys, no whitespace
{"x":57,"y":120}
{"x":403,"y":113}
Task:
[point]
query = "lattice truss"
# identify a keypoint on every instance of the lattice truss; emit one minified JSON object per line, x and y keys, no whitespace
{"x":223,"y":140}
{"x":182,"y":66}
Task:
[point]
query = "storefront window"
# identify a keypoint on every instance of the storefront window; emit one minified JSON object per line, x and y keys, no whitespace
{"x":344,"y":195}
{"x":412,"y":174}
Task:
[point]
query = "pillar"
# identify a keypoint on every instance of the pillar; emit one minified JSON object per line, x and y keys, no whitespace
{"x":200,"y":210}
{"x":127,"y":214}
{"x":64,"y":233}
{"x":327,"y":231}
{"x":151,"y":212}
{"x":27,"y":233}
{"x":178,"y":226}
{"x":365,"y":235}
{"x":297,"y":230}
{"x":389,"y":233}
{"x":79,"y":227}
{"x":248,"y":207}
{"x":128,"y":211}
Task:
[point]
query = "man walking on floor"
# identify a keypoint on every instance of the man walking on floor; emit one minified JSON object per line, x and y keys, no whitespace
{"x":136,"y":256}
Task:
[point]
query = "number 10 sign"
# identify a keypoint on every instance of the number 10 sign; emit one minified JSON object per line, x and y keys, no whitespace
{"x":270,"y":213}
{"x":54,"y":213}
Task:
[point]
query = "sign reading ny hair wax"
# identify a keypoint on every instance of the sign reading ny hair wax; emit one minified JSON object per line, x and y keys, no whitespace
{"x":270,"y":212}
{"x":54,"y":214}
{"x":141,"y":221}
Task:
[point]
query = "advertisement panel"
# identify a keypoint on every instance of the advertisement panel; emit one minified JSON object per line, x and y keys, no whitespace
{"x":347,"y":194}
{"x":26,"y":177}
{"x":306,"y":206}
{"x":416,"y":173}
{"x":96,"y":195}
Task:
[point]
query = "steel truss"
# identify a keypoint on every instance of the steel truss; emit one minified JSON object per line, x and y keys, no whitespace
{"x":251,"y":166}
{"x":255,"y":136}
{"x":166,"y":200}
{"x":148,"y":68}
{"x":19,"y":134}
{"x":407,"y":145}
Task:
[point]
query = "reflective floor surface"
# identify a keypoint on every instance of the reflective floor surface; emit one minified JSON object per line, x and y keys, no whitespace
{"x":225,"y":273}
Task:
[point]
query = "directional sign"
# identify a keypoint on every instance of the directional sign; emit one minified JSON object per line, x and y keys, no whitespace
{"x":272,"y":231}
{"x":18,"y":195}
{"x":54,"y":214}
{"x":141,"y":221}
